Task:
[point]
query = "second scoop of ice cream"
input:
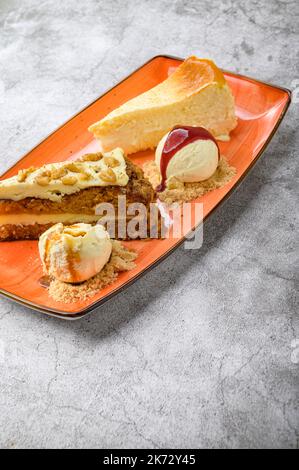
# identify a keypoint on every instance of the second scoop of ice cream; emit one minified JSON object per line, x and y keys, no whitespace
{"x":74,"y":253}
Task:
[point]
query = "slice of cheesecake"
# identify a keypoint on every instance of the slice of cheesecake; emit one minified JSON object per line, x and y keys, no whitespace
{"x":69,"y":192}
{"x":196,"y":94}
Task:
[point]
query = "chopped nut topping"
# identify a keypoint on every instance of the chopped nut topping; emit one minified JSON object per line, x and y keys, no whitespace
{"x":84,"y":176}
{"x":92,"y":157}
{"x":42,"y":180}
{"x":108,"y":176}
{"x":22,"y":174}
{"x":69,"y":180}
{"x":111,"y":162}
{"x":58,"y":173}
{"x":46,"y":173}
{"x":73,"y":167}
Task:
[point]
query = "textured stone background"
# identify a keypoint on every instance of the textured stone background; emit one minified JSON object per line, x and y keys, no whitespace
{"x":199,"y":351}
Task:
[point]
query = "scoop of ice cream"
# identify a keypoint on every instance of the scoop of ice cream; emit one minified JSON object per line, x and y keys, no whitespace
{"x":74,"y":253}
{"x":190,"y":154}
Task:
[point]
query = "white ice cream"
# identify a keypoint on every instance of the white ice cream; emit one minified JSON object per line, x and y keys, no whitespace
{"x":195,"y":162}
{"x":74,"y":253}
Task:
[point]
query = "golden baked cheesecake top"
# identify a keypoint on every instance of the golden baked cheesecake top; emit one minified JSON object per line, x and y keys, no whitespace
{"x":195,"y":94}
{"x":54,"y":180}
{"x":190,"y":77}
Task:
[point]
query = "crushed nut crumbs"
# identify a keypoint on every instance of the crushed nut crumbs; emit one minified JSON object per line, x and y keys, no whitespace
{"x":177,"y":191}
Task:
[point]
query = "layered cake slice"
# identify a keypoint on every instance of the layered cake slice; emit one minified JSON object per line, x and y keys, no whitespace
{"x":69,"y":192}
{"x":196,"y":94}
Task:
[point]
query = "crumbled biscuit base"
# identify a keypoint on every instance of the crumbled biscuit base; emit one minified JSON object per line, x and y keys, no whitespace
{"x":177,"y":191}
{"x":121,"y":259}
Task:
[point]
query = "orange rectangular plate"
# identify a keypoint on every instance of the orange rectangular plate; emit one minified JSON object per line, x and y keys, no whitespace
{"x":260,"y":108}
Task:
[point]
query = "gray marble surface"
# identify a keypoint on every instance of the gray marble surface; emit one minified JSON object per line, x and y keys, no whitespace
{"x":203,"y":351}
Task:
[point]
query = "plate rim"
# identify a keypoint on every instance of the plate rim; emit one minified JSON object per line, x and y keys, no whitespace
{"x":76,"y":315}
